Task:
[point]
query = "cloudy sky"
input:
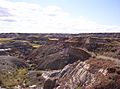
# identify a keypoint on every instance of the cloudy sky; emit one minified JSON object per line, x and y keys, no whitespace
{"x":59,"y":16}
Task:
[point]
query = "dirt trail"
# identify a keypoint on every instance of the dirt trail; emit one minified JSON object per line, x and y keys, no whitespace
{"x":106,"y":57}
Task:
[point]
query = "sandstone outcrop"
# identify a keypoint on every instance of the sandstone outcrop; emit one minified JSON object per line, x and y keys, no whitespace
{"x":90,"y":74}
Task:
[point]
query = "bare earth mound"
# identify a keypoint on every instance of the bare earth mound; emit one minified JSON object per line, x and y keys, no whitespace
{"x":57,"y":56}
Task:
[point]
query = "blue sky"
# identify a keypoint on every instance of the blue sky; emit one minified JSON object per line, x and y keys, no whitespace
{"x":101,"y":11}
{"x":71,"y":16}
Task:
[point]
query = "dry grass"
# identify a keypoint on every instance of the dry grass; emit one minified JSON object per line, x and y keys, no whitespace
{"x":11,"y":79}
{"x":35,"y":45}
{"x":55,"y":39}
{"x":5,"y":40}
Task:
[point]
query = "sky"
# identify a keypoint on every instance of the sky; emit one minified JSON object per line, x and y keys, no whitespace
{"x":59,"y":16}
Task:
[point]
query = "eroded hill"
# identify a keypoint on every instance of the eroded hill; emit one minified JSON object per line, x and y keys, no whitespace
{"x":60,"y":61}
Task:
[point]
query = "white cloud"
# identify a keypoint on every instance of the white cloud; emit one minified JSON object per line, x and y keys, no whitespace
{"x":26,"y":17}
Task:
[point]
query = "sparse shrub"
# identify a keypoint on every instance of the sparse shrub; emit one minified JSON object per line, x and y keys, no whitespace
{"x":38,"y":74}
{"x":11,"y":79}
{"x":78,"y":87}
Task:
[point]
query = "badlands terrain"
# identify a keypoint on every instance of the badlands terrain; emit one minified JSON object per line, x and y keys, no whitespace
{"x":60,"y":61}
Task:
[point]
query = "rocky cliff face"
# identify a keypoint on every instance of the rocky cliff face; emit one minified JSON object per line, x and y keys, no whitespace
{"x":90,"y":74}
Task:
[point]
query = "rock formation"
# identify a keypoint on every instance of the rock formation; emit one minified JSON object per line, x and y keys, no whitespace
{"x":57,"y":56}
